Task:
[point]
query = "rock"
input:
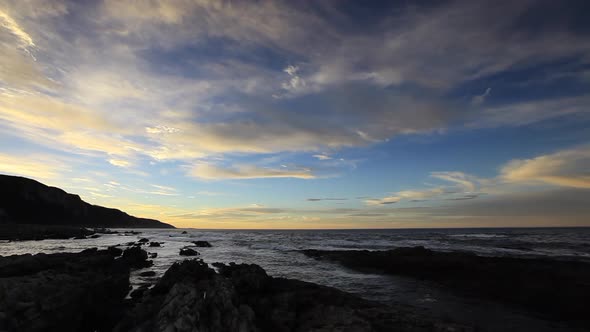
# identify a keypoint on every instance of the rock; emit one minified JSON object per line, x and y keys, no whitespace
{"x":81,"y":237}
{"x":95,"y":236}
{"x":147,"y":274}
{"x":26,"y":201}
{"x":557,"y":289}
{"x":143,"y":240}
{"x":136,"y":257}
{"x":137,"y":293}
{"x":193,"y":297}
{"x":62,"y":292}
{"x":202,"y":244}
{"x":188,"y":252}
{"x":184,"y":232}
{"x":154,"y":244}
{"x":153,"y":254}
{"x":114,"y":251}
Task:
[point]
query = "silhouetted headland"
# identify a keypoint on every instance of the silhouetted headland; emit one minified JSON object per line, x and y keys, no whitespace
{"x":28,"y":202}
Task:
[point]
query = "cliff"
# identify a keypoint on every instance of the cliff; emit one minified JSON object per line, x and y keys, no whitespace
{"x":26,"y":201}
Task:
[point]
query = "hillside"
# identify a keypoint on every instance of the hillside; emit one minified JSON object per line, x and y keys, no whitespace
{"x":26,"y":201}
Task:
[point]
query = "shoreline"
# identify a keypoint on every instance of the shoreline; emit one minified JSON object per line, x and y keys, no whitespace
{"x":87,"y":291}
{"x":558,"y":290}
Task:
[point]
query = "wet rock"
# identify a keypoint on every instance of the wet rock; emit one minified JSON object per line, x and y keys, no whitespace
{"x":154,"y":244}
{"x":114,"y":251}
{"x":147,"y":274}
{"x":557,"y":289}
{"x":136,"y":257}
{"x":188,"y":252}
{"x":62,"y":292}
{"x":202,"y":244}
{"x":193,"y":297}
{"x":137,"y":293}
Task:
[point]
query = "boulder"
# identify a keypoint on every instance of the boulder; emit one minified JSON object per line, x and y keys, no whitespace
{"x":62,"y":292}
{"x":136,"y":257}
{"x":202,"y":244}
{"x":188,"y":252}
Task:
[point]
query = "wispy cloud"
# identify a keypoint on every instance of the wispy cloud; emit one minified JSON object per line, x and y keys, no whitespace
{"x":568,"y":168}
{"x":213,"y":172}
{"x":325,"y":199}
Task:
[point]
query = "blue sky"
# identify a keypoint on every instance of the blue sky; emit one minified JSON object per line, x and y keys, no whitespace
{"x":284,"y":114}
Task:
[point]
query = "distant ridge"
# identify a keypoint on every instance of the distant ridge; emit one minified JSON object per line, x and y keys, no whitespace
{"x":26,"y":201}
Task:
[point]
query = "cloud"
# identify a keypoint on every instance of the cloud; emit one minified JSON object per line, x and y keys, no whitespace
{"x":322,"y":157}
{"x":120,"y":162}
{"x":479,"y":99}
{"x":568,"y":168}
{"x":326,"y":199}
{"x":464,"y":181}
{"x":212,"y":172}
{"x":528,"y":112}
{"x":25,"y":41}
{"x":42,"y":167}
{"x":462,"y":184}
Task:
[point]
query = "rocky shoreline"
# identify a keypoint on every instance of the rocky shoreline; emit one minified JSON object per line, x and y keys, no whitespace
{"x":88,"y":291}
{"x":556,"y":290}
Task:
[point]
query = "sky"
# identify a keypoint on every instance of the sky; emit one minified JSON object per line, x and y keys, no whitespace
{"x":303,"y":114}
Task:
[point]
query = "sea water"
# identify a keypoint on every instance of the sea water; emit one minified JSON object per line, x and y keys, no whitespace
{"x":277,"y":251}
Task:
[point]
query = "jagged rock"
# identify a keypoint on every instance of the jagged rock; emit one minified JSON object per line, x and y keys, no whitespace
{"x":193,"y":297}
{"x":188,"y":252}
{"x":202,"y":244}
{"x":114,"y":251}
{"x":62,"y":292}
{"x":557,"y":289}
{"x":136,"y":257}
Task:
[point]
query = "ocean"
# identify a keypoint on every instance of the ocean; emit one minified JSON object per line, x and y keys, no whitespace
{"x":277,"y":252}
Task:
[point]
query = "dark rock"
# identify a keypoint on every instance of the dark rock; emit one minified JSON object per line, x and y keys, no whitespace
{"x":26,"y":201}
{"x":202,"y":244}
{"x":184,"y":232}
{"x":558,"y":289}
{"x":137,"y":293}
{"x":17,"y":232}
{"x":153,"y":254}
{"x":154,"y":244}
{"x":147,"y":274}
{"x":143,"y":240}
{"x":114,"y":251}
{"x":188,"y":252}
{"x":62,"y":292}
{"x":102,"y":230}
{"x":95,"y":236}
{"x":136,"y":257}
{"x":193,"y":297}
